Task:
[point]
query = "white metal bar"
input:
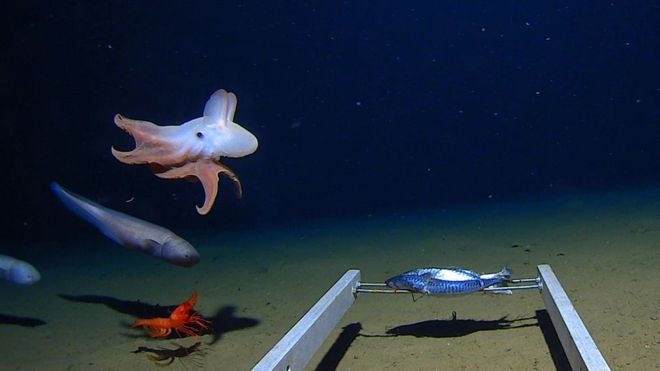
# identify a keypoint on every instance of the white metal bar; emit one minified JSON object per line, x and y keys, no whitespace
{"x":297,"y":347}
{"x":580,"y":348}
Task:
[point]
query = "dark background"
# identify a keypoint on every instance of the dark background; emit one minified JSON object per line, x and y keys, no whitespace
{"x":360,"y":107}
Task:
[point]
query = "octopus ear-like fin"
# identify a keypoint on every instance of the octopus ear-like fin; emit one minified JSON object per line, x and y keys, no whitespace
{"x":220,"y":108}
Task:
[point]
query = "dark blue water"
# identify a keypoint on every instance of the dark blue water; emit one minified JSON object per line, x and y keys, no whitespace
{"x":360,"y":108}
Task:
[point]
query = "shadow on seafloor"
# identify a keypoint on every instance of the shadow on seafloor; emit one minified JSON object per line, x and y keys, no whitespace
{"x":224,"y":320}
{"x":447,"y":329}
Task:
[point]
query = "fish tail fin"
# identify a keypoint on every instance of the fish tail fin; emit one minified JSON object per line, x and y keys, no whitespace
{"x":76,"y":204}
{"x":506,"y":272}
{"x":85,"y":209}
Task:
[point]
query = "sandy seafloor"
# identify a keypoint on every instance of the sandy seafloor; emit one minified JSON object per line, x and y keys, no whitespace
{"x":604,"y":248}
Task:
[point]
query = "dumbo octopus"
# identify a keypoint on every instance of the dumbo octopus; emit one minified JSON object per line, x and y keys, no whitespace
{"x":193,"y":148}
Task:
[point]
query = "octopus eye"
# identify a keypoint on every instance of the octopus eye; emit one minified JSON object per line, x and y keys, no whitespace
{"x":200,"y":135}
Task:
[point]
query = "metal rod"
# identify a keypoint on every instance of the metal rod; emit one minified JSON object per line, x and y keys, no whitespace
{"x":381,"y":291}
{"x":381,"y":288}
{"x":507,"y":288}
{"x":525,"y":280}
{"x":377,"y":284}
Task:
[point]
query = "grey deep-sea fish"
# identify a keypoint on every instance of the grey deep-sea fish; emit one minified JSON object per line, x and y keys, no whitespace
{"x":131,"y":232}
{"x":18,"y":271}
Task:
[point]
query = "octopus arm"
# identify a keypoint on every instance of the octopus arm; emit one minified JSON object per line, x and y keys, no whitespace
{"x":206,"y":170}
{"x":153,"y":143}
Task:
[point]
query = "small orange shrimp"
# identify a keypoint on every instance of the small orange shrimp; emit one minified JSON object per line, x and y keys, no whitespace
{"x":184,"y":321}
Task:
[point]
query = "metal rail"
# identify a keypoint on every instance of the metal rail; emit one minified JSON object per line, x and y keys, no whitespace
{"x":580,"y":348}
{"x":298,"y":346}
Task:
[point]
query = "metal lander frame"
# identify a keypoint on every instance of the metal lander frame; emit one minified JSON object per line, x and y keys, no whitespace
{"x":299,"y":344}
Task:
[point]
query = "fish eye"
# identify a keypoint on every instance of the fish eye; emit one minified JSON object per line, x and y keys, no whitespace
{"x":200,"y":135}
